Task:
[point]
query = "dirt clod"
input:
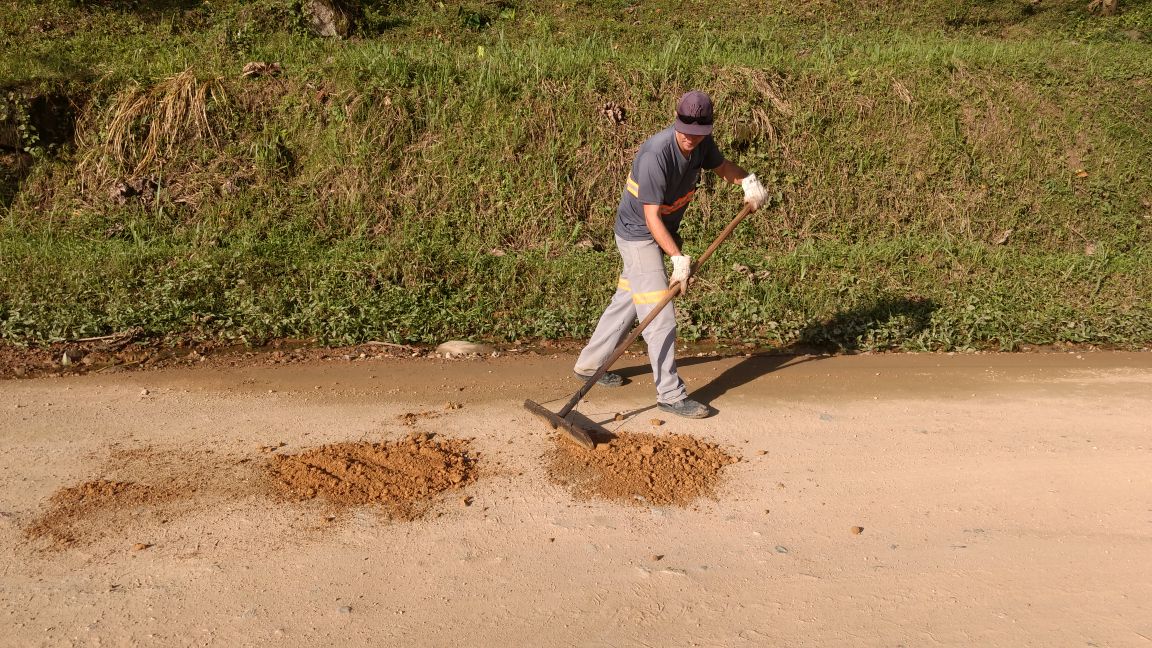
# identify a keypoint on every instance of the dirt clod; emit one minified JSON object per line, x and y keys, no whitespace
{"x":640,"y":469}
{"x":403,"y":477}
{"x":656,"y":422}
{"x":411,"y":418}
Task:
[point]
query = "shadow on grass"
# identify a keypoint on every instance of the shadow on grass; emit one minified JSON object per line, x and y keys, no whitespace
{"x":883,"y":323}
{"x":50,"y":117}
{"x":880,"y":324}
{"x":14,"y":166}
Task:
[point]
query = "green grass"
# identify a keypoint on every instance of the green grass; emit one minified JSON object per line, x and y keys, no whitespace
{"x":947,"y":175}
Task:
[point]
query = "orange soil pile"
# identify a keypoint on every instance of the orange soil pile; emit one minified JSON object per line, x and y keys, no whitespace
{"x":640,"y":469}
{"x":139,"y":491}
{"x":404,"y":477}
{"x":72,"y":510}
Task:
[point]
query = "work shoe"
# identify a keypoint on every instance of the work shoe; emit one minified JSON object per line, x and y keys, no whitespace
{"x":609,"y":379}
{"x":687,"y":408}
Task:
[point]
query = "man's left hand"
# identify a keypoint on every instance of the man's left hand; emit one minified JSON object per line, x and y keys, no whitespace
{"x":754,"y":193}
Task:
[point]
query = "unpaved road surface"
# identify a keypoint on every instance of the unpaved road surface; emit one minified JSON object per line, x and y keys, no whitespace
{"x":915,"y":500}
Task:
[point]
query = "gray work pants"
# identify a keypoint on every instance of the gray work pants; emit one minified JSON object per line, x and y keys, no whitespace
{"x":642,"y":284}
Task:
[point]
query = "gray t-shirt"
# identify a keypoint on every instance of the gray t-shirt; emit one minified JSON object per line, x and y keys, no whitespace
{"x":661,"y":175}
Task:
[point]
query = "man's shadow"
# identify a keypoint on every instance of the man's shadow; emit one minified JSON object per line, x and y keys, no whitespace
{"x":880,"y":324}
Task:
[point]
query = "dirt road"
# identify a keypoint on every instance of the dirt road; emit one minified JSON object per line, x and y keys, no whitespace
{"x":916,"y":500}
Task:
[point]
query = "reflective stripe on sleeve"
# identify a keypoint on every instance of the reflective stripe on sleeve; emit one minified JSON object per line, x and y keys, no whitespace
{"x":633,"y":188}
{"x":623,"y":285}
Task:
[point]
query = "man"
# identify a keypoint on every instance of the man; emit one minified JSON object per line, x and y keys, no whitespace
{"x":659,"y":188}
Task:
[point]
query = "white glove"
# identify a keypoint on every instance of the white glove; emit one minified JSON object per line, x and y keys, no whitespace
{"x":754,"y":193}
{"x":681,"y":268}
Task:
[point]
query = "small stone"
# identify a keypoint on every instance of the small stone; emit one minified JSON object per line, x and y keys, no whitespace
{"x":452,"y":405}
{"x":140,"y":546}
{"x":656,"y":422}
{"x":144,"y":392}
{"x":781,"y":549}
{"x":857,"y":530}
{"x":761,"y":452}
{"x":466,"y":501}
{"x":657,"y":557}
{"x":345,"y":609}
{"x":461,"y":347}
{"x":617,"y":417}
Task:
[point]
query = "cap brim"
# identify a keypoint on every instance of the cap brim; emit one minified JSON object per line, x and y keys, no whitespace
{"x":692,"y":129}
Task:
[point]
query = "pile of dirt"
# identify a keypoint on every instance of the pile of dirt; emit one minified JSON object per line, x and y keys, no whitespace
{"x":640,"y":469}
{"x":404,"y":477}
{"x":72,"y":511}
{"x":139,"y":491}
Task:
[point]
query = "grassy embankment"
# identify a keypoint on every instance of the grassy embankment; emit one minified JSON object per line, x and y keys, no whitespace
{"x":949,"y":176}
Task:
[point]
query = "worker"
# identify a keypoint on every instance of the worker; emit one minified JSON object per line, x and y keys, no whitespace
{"x":657,"y":193}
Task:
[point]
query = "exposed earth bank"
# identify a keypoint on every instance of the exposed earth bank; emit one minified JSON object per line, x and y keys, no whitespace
{"x":862,"y":500}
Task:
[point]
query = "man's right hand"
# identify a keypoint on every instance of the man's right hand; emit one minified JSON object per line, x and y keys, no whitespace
{"x":681,"y":269}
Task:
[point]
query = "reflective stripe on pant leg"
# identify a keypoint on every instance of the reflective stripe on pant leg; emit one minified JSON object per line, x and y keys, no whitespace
{"x":649,"y":285}
{"x":610,"y":331}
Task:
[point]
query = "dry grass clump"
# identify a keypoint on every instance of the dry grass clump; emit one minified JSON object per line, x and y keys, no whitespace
{"x":146,"y":125}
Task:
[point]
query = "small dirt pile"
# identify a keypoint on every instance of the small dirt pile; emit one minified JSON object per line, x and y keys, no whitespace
{"x":640,"y":469}
{"x":140,"y":491}
{"x":404,"y":477}
{"x":79,"y":513}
